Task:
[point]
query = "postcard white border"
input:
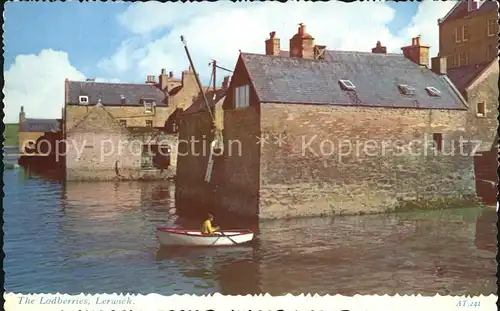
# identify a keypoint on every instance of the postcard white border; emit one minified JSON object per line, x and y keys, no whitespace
{"x":218,"y":302}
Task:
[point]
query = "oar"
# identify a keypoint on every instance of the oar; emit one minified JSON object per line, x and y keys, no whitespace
{"x":222,"y":233}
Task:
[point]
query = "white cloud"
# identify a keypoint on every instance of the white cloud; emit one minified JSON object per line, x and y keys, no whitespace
{"x":219,"y":30}
{"x":37,"y":83}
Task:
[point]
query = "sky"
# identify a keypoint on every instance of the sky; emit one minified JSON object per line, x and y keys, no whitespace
{"x":45,"y":43}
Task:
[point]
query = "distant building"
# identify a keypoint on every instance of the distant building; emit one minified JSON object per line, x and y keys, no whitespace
{"x":293,"y":111}
{"x":30,"y":130}
{"x":468,"y":37}
{"x":468,"y":34}
{"x":140,"y":117}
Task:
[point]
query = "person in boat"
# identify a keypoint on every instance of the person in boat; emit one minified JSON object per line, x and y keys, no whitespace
{"x":207,"y":228}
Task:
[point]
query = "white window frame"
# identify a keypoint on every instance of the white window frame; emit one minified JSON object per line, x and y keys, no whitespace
{"x":242,"y":96}
{"x":83,"y":99}
{"x":478,"y":113}
{"x":406,"y":89}
{"x":493,"y":23}
{"x":347,"y":84}
{"x":432,"y":91}
{"x":466,"y":59}
{"x":465,"y":29}
{"x":458,"y":35}
{"x":149,"y":105}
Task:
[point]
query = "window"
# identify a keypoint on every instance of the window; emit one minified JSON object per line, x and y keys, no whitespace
{"x":438,"y":141}
{"x":465,"y":32}
{"x":457,"y":35}
{"x":481,"y":109}
{"x":492,"y":25}
{"x":406,"y":90}
{"x":149,"y":123}
{"x":84,"y":100}
{"x":148,"y":105}
{"x":242,"y":96}
{"x":347,"y":85}
{"x":463,"y":59}
{"x":123,"y":122}
{"x":147,"y":157}
{"x":432,"y":91}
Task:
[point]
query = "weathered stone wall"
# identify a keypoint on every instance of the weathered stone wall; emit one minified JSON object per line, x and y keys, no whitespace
{"x":191,"y":191}
{"x":238,"y":191}
{"x":134,"y":116}
{"x":312,"y":174}
{"x":486,"y":91}
{"x":100,"y":149}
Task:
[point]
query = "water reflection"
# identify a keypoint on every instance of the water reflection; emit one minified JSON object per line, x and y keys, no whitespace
{"x":100,"y":237}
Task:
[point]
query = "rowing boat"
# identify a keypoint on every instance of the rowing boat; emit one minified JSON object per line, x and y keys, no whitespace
{"x":183,"y":237}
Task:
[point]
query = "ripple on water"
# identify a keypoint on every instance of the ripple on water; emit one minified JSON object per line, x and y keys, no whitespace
{"x":100,"y":237}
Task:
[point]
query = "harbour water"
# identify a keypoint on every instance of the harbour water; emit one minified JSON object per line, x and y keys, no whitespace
{"x":100,"y":237}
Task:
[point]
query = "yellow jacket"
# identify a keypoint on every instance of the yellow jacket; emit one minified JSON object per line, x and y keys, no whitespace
{"x":207,"y":228}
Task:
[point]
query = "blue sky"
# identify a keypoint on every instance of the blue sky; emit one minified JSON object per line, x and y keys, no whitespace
{"x":47,"y":42}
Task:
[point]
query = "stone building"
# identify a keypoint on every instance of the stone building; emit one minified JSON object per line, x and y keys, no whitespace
{"x":31,"y":130}
{"x":313,"y":131}
{"x":468,"y":34}
{"x":471,"y":29}
{"x":137,"y":121}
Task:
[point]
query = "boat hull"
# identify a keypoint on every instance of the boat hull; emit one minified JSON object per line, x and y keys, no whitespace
{"x":181,"y":237}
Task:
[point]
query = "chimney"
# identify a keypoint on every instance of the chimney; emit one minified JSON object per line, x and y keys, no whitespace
{"x":273,"y":45}
{"x":150,"y":80}
{"x":438,"y":65}
{"x":472,"y":5}
{"x":302,"y":44}
{"x":171,"y":75}
{"x":416,"y":52}
{"x":22,"y":115}
{"x":226,"y":82}
{"x":379,"y":49}
{"x":163,"y":79}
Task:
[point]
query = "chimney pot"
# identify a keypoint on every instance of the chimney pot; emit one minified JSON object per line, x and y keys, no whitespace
{"x":379,"y":48}
{"x":164,"y":71}
{"x":225,"y":82}
{"x":302,"y":28}
{"x":272,"y":34}
{"x":171,"y":74}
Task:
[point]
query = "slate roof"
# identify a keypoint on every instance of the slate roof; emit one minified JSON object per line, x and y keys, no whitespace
{"x":463,"y":76}
{"x":40,"y":125}
{"x":110,"y":93}
{"x":376,"y":77}
{"x":461,"y":10}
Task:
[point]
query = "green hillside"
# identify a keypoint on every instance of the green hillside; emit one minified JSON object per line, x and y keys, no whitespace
{"x":11,"y":134}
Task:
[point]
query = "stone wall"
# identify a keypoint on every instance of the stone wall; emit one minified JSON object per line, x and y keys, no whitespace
{"x":480,"y":46}
{"x":134,"y":116}
{"x":314,"y":173}
{"x":101,"y":149}
{"x":486,"y":91}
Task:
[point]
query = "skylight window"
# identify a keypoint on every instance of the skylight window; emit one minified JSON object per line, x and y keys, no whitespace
{"x":347,"y":85}
{"x":432,"y":91}
{"x":406,"y":89}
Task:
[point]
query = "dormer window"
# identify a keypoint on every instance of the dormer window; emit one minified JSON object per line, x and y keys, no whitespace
{"x":347,"y":85}
{"x":432,"y":91}
{"x":83,"y":99}
{"x":148,"y":105}
{"x":406,"y":89}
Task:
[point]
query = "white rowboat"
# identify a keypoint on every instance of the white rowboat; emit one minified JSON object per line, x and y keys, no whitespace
{"x":182,"y":237}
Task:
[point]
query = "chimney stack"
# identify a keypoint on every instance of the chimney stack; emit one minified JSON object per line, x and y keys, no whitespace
{"x":302,"y":44}
{"x":150,"y":80}
{"x":273,"y":45}
{"x":438,"y":65}
{"x":22,"y":115}
{"x":171,"y":75}
{"x":226,"y":82}
{"x":163,"y":79}
{"x":416,"y":52}
{"x":379,"y":49}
